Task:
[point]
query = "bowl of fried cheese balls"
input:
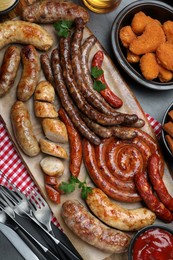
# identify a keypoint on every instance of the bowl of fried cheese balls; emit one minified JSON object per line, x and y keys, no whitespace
{"x":142,"y":41}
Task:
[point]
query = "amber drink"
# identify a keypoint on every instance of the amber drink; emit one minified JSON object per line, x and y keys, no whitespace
{"x":101,"y":6}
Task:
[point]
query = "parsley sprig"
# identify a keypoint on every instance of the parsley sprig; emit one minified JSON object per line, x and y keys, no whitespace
{"x":63,"y":27}
{"x":70,"y":186}
{"x":96,"y":73}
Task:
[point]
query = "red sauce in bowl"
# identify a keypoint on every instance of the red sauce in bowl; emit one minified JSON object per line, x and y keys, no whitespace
{"x":154,"y":244}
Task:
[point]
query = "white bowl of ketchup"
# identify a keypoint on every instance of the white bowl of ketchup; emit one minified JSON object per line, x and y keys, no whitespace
{"x":153,"y":242}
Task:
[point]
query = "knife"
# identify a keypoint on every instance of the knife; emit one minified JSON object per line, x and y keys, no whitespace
{"x":18,"y":243}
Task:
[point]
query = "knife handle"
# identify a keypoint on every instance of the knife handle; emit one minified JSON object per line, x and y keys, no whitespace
{"x":31,"y":245}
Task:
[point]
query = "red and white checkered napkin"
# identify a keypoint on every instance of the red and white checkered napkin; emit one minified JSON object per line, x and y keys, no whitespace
{"x":13,"y":168}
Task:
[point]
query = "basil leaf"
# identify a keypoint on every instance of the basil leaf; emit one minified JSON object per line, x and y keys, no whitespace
{"x":96,"y":72}
{"x":98,"y":85}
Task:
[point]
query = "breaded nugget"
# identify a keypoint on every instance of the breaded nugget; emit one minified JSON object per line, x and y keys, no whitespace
{"x":149,"y":41}
{"x":127,"y":35}
{"x":168,"y":30}
{"x":149,"y":66}
{"x":164,"y":74}
{"x":139,"y":21}
{"x":132,"y":58}
{"x":165,"y":55}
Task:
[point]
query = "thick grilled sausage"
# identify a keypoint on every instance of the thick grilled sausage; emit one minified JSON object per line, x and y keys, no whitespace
{"x":74,"y":142}
{"x":23,"y":130}
{"x":46,"y":67}
{"x":9,"y":68}
{"x":51,"y":11}
{"x":30,"y":73}
{"x":26,"y":33}
{"x":77,"y":95}
{"x":101,"y":151}
{"x":91,"y":230}
{"x":152,"y":202}
{"x":66,"y":101}
{"x":157,"y":182}
{"x":89,"y":157}
{"x":116,"y":216}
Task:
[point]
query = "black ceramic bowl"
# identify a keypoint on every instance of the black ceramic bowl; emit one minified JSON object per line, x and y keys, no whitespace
{"x":9,"y":8}
{"x":166,"y":119}
{"x":157,"y":10}
{"x":142,"y":232}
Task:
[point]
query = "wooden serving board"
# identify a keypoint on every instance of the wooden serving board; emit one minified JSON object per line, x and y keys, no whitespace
{"x":131,"y":105}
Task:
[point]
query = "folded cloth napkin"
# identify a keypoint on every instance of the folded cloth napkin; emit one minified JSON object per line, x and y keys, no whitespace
{"x":12,"y":167}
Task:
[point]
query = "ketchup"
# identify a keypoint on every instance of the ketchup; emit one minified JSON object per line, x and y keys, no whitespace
{"x":154,"y":244}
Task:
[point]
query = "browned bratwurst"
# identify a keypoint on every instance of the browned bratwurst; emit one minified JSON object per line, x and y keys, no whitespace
{"x":78,"y":97}
{"x":30,"y":73}
{"x":48,"y":11}
{"x":67,"y":102}
{"x":91,"y":230}
{"x":9,"y":69}
{"x":23,"y":130}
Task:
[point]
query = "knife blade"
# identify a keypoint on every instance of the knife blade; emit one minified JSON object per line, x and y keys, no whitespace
{"x":18,"y":243}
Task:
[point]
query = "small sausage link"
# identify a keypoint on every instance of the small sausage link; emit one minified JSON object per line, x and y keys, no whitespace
{"x":23,"y":130}
{"x":91,"y":230}
{"x":89,"y":157}
{"x":116,"y":216}
{"x":152,"y":202}
{"x":46,"y":67}
{"x":30,"y":73}
{"x":9,"y":68}
{"x":157,"y":181}
{"x":66,"y":101}
{"x":75,"y":143}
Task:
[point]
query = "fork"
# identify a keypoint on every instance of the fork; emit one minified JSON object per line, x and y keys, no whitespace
{"x":11,"y":215}
{"x":21,"y":206}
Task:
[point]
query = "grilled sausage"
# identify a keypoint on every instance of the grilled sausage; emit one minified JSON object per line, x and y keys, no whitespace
{"x":89,"y":157}
{"x":23,"y":130}
{"x":116,"y":216}
{"x":74,"y":142}
{"x":46,"y":67}
{"x":9,"y":68}
{"x":91,"y":230}
{"x":157,"y":182}
{"x":30,"y":73}
{"x":18,"y":31}
{"x":77,"y":95}
{"x":66,"y":101}
{"x":51,"y":11}
{"x":152,"y":202}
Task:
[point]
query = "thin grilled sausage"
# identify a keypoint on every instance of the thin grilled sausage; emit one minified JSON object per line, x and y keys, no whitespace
{"x":46,"y":67}
{"x":89,"y":157}
{"x":51,"y":11}
{"x":116,"y":216}
{"x":91,"y":230}
{"x":18,"y":31}
{"x":67,"y":102}
{"x":23,"y":130}
{"x":9,"y":68}
{"x":152,"y":202}
{"x":77,"y":95}
{"x":74,"y":142}
{"x":30,"y":73}
{"x":157,"y":182}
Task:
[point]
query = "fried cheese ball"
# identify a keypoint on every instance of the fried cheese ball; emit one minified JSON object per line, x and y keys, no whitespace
{"x":132,"y":58}
{"x":139,"y":21}
{"x":164,"y":74}
{"x":168,"y":30}
{"x":127,"y":35}
{"x":165,"y":55}
{"x":149,"y":66}
{"x":149,"y":41}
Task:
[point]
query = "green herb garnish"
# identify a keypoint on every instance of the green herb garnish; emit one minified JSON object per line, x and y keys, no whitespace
{"x":98,"y":85}
{"x":70,"y":186}
{"x":96,"y":72}
{"x":63,"y":27}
